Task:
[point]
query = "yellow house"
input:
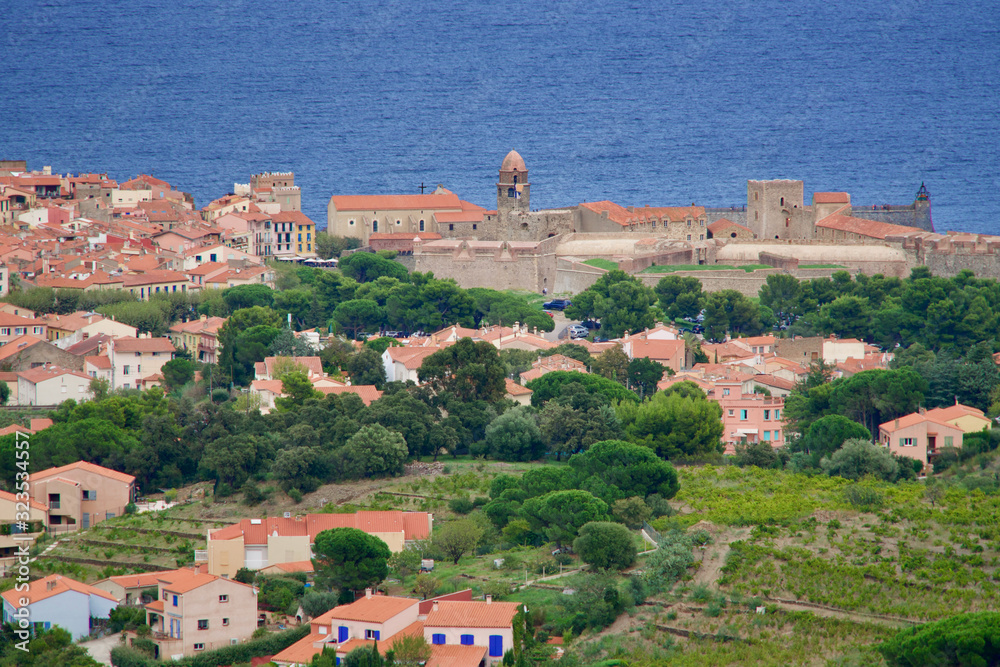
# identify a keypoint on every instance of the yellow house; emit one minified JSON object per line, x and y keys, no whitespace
{"x":295,"y":234}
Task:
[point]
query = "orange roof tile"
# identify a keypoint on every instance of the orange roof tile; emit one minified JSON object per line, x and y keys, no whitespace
{"x":870,"y":228}
{"x":10,"y":497}
{"x":376,"y":609}
{"x":456,"y":655}
{"x":143,"y":345}
{"x":39,"y":590}
{"x":722,"y":224}
{"x":302,"y":651}
{"x":831,"y":198}
{"x":515,"y":389}
{"x":368,"y":392}
{"x":42,"y":373}
{"x":83,"y":465}
{"x":472,"y":615}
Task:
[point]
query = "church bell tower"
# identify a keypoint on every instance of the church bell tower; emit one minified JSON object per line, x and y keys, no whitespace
{"x":513,"y":190}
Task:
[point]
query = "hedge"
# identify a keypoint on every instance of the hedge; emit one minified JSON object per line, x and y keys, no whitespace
{"x":229,"y":655}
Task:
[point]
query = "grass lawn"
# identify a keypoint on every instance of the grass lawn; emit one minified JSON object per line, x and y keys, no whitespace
{"x":601,"y":263}
{"x":659,"y":268}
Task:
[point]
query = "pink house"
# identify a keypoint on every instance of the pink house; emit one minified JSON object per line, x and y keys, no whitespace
{"x":920,"y":435}
{"x":754,"y":417}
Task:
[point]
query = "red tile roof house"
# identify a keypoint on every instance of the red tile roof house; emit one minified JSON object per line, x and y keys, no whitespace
{"x":81,"y":494}
{"x":921,"y":435}
{"x":259,"y":543}
{"x":60,"y":601}
{"x":51,"y":385}
{"x":461,"y":632}
{"x":135,"y":359}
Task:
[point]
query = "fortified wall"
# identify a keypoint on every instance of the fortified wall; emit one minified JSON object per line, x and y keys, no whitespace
{"x":493,"y":264}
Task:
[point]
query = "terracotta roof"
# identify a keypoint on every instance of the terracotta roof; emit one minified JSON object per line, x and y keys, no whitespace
{"x":313,"y":365}
{"x":85,"y":466}
{"x":40,"y":423}
{"x":155,"y":605}
{"x":296,"y":566}
{"x":912,"y":419}
{"x":376,"y":609}
{"x":831,"y":198}
{"x":368,"y":392}
{"x":42,"y":373}
{"x":295,"y":217}
{"x":456,"y":655}
{"x":39,"y":590}
{"x":10,"y":497}
{"x":273,"y":386}
{"x":101,"y":362}
{"x":143,"y":345}
{"x":410,"y":357}
{"x":515,"y":389}
{"x":414,"y":525}
{"x":771,"y":381}
{"x":513,"y":161}
{"x":870,"y":228}
{"x":616,"y":212}
{"x":722,"y":224}
{"x":8,"y":320}
{"x":955,"y":412}
{"x":142,"y":580}
{"x":656,"y":348}
{"x":472,"y":615}
{"x":13,"y":428}
{"x":17,"y":345}
{"x":395,"y":202}
{"x":302,"y":651}
{"x":155,"y":277}
{"x":182,"y":581}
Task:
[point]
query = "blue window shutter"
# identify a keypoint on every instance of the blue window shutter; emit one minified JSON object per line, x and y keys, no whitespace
{"x":496,"y":646}
{"x":437,"y":639}
{"x":342,"y":633}
{"x":467,"y":640}
{"x":175,"y":600}
{"x":338,"y":662}
{"x":375,"y":634}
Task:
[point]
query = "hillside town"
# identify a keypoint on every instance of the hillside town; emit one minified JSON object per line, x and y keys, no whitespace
{"x":438,"y":434}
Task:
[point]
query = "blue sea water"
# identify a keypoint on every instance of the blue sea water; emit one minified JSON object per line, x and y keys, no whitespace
{"x":661,"y":103}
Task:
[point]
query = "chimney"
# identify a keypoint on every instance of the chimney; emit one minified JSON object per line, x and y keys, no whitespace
{"x":489,"y":599}
{"x":923,"y":410}
{"x":368,"y":593}
{"x":435,"y":605}
{"x":897,"y":422}
{"x":50,"y":585}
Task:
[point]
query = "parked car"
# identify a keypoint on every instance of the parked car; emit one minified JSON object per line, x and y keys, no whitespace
{"x":557,"y":304}
{"x":591,"y":324}
{"x":577,"y":331}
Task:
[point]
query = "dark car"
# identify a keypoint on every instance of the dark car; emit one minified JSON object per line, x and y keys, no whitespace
{"x":557,"y":304}
{"x":591,"y":324}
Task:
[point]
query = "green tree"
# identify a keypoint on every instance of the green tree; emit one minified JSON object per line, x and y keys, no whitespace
{"x":551,"y":385}
{"x":612,"y":364}
{"x":848,"y":317}
{"x":316,"y":603}
{"x":297,"y":389}
{"x":456,"y":538}
{"x":248,"y":296}
{"x":514,"y":436}
{"x":622,"y":303}
{"x":359,"y":315}
{"x":631,"y":511}
{"x":567,"y":430}
{"x":614,"y":469}
{"x":409,"y":651}
{"x":674,"y":425}
{"x":374,"y":451}
{"x":559,"y":515}
{"x":730,"y":311}
{"x":287,"y":344}
{"x":827,"y":434}
{"x":405,"y":562}
{"x":644,"y":374}
{"x":365,"y":367}
{"x":605,"y":545}
{"x":468,"y":370}
{"x":859,"y":458}
{"x":680,"y":296}
{"x":177,"y":373}
{"x":964,"y":639}
{"x":364,"y":656}
{"x":781,"y":293}
{"x":365,"y":266}
{"x":350,"y":559}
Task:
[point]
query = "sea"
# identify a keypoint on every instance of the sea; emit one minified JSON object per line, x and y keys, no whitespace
{"x":660,"y":103}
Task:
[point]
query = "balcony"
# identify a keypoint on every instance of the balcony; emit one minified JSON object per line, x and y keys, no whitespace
{"x":201,"y":555}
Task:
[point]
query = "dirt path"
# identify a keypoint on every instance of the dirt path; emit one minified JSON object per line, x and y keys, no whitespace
{"x":714,"y":555}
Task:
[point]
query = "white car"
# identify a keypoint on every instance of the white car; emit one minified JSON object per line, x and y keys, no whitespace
{"x":577,"y":331}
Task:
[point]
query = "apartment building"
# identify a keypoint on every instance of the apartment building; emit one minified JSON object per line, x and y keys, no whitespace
{"x":133,"y":360}
{"x":81,"y":494}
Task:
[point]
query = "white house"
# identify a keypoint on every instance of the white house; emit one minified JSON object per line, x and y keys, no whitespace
{"x":486,"y":623}
{"x":51,"y":385}
{"x":60,"y":601}
{"x":402,"y":363}
{"x":215,"y":253}
{"x":135,"y":360}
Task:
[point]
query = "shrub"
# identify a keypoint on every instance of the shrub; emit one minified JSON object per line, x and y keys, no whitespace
{"x":461,"y":505}
{"x":605,"y":545}
{"x":966,"y":639}
{"x":858,"y":458}
{"x":864,"y":497}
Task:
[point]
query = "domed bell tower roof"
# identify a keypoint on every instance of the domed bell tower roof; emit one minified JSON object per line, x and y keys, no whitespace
{"x":513,"y":162}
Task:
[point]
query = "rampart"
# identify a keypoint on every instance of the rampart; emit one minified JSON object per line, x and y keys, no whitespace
{"x":909,"y":215}
{"x":737,"y":214}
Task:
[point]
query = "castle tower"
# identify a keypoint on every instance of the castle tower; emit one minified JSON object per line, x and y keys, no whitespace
{"x":775,"y":208}
{"x":513,"y":190}
{"x":922,"y":209}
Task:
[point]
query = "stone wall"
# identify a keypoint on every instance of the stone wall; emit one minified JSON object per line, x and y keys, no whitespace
{"x":778,"y":262}
{"x":737,"y":214}
{"x":495,"y":265}
{"x":574,"y":277}
{"x":912,"y":215}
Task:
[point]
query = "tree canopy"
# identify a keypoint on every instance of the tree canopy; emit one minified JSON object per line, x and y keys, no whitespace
{"x":351,"y":559}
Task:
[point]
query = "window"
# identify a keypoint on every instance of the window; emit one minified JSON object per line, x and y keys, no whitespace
{"x":473,"y":225}
{"x":203,"y":624}
{"x":689,"y":237}
{"x":212,"y":257}
{"x":948,"y":440}
{"x":767,"y":415}
{"x":451,"y":228}
{"x":175,"y":600}
{"x":496,"y":646}
{"x":908,"y":442}
{"x":467,"y":640}
{"x":421,"y":225}
{"x":731,"y":413}
{"x":199,"y":647}
{"x":767,"y":435}
{"x":89,"y":495}
{"x":223,"y":598}
{"x":164,"y":596}
{"x":300,"y":237}
{"x":437,"y":639}
{"x":374,"y":225}
{"x":777,"y":435}
{"x":126,"y":369}
{"x":350,"y":222}
{"x":63,"y":388}
{"x":777,"y":414}
{"x":399,"y":222}
{"x":743,"y":415}
{"x":372,"y":634}
{"x":510,"y":192}
{"x":225,"y":621}
{"x":342,"y":634}
{"x":725,"y":392}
